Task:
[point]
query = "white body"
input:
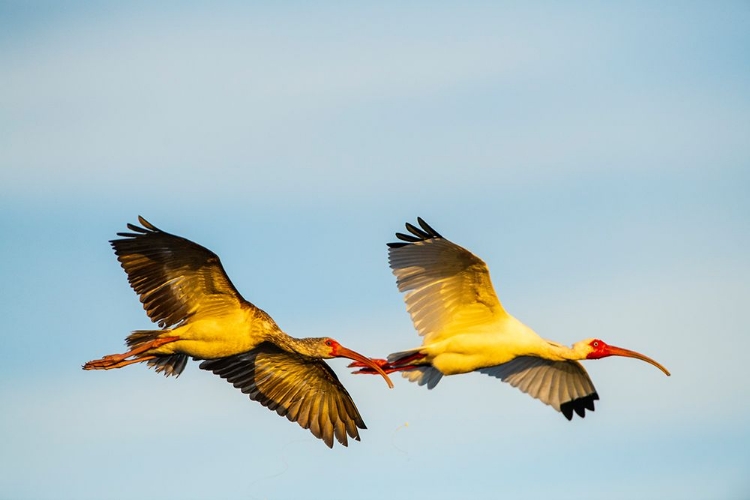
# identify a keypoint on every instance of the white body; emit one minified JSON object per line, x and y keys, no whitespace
{"x":454,"y":307}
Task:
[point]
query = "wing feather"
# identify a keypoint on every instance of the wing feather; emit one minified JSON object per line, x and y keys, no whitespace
{"x":339,"y":427}
{"x":447,"y":289}
{"x":302,"y":389}
{"x":175,"y":278}
{"x":564,"y":385}
{"x":314,"y":416}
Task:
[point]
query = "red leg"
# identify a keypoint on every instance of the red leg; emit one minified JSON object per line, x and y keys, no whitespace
{"x":90,"y":365}
{"x":359,"y":364}
{"x":413,"y":357}
{"x":386,"y":368}
{"x":398,"y":365}
{"x":119,"y":360}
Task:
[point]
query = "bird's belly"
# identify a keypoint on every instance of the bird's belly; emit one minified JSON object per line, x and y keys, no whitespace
{"x":464,"y":354}
{"x":453,"y":364}
{"x":212,"y":338}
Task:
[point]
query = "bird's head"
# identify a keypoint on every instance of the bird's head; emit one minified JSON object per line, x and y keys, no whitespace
{"x":597,"y":349}
{"x":330,"y":348}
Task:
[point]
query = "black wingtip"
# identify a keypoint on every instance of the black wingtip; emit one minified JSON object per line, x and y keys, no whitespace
{"x":428,"y":228}
{"x":145,"y":228}
{"x":579,"y":406}
{"x":409,"y":238}
{"x":422,"y":233}
{"x":147,"y":225}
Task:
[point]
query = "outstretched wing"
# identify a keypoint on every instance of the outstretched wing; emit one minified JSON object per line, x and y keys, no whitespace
{"x":303,"y":389}
{"x":447,"y":288}
{"x":175,"y":278}
{"x":564,"y":385}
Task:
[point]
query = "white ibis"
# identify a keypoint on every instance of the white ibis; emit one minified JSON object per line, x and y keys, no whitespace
{"x":184,"y":288}
{"x":451,"y":300}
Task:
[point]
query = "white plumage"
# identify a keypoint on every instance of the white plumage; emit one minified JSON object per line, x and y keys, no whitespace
{"x":454,"y":307}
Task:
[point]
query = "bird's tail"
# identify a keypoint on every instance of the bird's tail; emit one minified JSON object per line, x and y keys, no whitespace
{"x":408,"y":363}
{"x":172,"y":364}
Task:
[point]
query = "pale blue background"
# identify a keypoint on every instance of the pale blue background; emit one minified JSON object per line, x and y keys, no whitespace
{"x":596,"y":156}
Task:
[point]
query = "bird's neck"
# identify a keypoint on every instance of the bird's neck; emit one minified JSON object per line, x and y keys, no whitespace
{"x":560,"y":352}
{"x":294,"y":345}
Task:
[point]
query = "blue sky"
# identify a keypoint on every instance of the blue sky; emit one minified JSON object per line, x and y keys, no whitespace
{"x":595,"y":156}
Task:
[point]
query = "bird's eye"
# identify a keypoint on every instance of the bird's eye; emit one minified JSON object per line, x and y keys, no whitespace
{"x":328,"y":342}
{"x":595,"y":343}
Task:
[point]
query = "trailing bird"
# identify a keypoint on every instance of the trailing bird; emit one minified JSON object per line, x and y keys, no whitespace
{"x":453,"y":305}
{"x":183,"y":287}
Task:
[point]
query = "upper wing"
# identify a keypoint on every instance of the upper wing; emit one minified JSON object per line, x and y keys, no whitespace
{"x":174,"y":277}
{"x":448,"y":289}
{"x":564,"y":385}
{"x":303,"y":389}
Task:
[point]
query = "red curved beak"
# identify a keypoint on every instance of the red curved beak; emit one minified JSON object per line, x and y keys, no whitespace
{"x":619,"y":351}
{"x":343,"y":352}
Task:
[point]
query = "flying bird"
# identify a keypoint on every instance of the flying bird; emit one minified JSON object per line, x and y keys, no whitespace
{"x":183,"y":287}
{"x":453,"y":305}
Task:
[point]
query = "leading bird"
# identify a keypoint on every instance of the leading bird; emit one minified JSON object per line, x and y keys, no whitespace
{"x":184,"y":288}
{"x":453,"y":305}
